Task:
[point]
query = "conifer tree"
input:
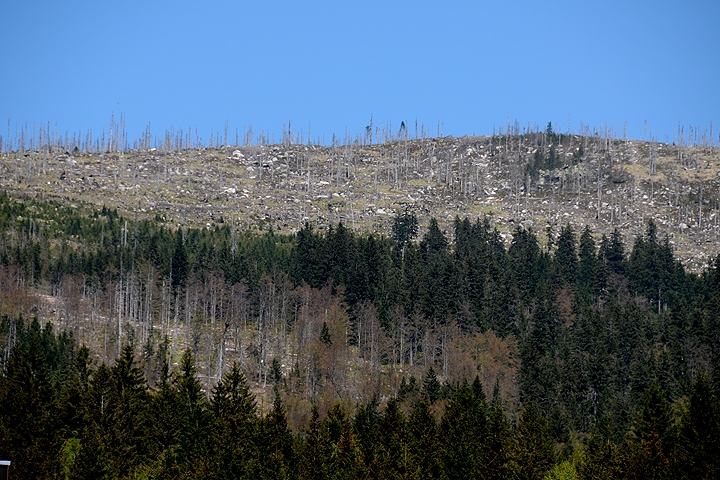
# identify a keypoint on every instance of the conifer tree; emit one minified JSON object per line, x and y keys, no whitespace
{"x":436,"y":275}
{"x":127,"y":417}
{"x":179,"y":267}
{"x":325,"y":338}
{"x":533,"y":456}
{"x":565,"y":260}
{"x":524,"y":255}
{"x":275,"y":442}
{"x":538,"y":375}
{"x":235,"y":426}
{"x":601,"y":459}
{"x":164,"y":431}
{"x":404,"y":227}
{"x":308,"y":258}
{"x":365,"y":426}
{"x":431,"y":386}
{"x":478,"y":391}
{"x":613,"y":252}
{"x":393,"y":455}
{"x":29,"y":407}
{"x":699,"y":443}
{"x":499,"y":442}
{"x":93,"y":461}
{"x":344,"y":458}
{"x":313,"y":451}
{"x":648,"y":452}
{"x":587,"y":265}
{"x":464,"y":432}
{"x":72,"y":421}
{"x":422,"y":442}
{"x":192,"y":417}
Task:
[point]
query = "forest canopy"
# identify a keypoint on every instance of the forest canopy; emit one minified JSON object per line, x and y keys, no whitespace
{"x":131,"y":349}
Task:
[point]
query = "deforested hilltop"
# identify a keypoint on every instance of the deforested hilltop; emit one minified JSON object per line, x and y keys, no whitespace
{"x":536,"y":180}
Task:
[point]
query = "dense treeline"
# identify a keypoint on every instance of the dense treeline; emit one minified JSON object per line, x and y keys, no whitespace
{"x":64,"y":417}
{"x":48,"y":240}
{"x":593,"y":338}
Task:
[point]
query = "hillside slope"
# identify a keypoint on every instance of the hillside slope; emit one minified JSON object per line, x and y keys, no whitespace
{"x":537,"y":180}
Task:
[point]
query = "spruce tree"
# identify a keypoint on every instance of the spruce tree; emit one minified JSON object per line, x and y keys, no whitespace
{"x":404,"y":227}
{"x":565,"y":259}
{"x":325,"y":338}
{"x":587,"y":265}
{"x":275,"y":442}
{"x":365,"y":426}
{"x":29,"y":408}
{"x":179,"y":267}
{"x":431,"y":386}
{"x":313,"y":450}
{"x":344,"y":458}
{"x":499,"y":443}
{"x":392,"y":456}
{"x":235,"y":427}
{"x":127,"y":415}
{"x":533,"y":455}
{"x":192,"y":417}
{"x":601,"y":458}
{"x":422,"y":442}
{"x":464,"y":432}
{"x":648,"y":452}
{"x":698,"y":455}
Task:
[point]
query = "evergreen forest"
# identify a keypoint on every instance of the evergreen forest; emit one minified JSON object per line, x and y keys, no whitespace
{"x":131,"y":349}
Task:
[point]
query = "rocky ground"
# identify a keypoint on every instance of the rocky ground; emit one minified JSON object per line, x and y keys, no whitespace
{"x":602,"y":182}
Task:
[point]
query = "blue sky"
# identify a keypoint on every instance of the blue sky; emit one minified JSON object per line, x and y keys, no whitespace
{"x":328,"y":66}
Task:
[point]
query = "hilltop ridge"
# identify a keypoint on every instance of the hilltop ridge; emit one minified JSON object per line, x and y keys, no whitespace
{"x":534,"y":180}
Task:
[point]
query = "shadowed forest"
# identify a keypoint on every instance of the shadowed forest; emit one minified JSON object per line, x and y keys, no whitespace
{"x":131,"y":349}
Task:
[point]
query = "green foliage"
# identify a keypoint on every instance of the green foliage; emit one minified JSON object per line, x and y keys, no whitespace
{"x":587,"y":268}
{"x":563,"y":471}
{"x":565,"y":259}
{"x":325,"y":335}
{"x":343,"y":458}
{"x":404,"y":227}
{"x":601,"y":459}
{"x":500,"y":443}
{"x":236,"y":428}
{"x":179,"y":267}
{"x":309,"y":262}
{"x":392,"y":449}
{"x":432,"y":386}
{"x":69,"y":453}
{"x":698,"y":452}
{"x":65,"y":418}
{"x":534,"y":449}
{"x":366,"y":428}
{"x":435,"y":273}
{"x":464,"y":433}
{"x":524,"y":254}
{"x":28,"y":402}
{"x":648,"y":453}
{"x":602,"y":334}
{"x":422,"y":443}
{"x":276,"y":453}
{"x":312,"y":451}
{"x":276,"y":372}
{"x":125,"y":412}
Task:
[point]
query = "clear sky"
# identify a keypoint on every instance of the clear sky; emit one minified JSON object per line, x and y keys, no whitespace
{"x":328,"y":66}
